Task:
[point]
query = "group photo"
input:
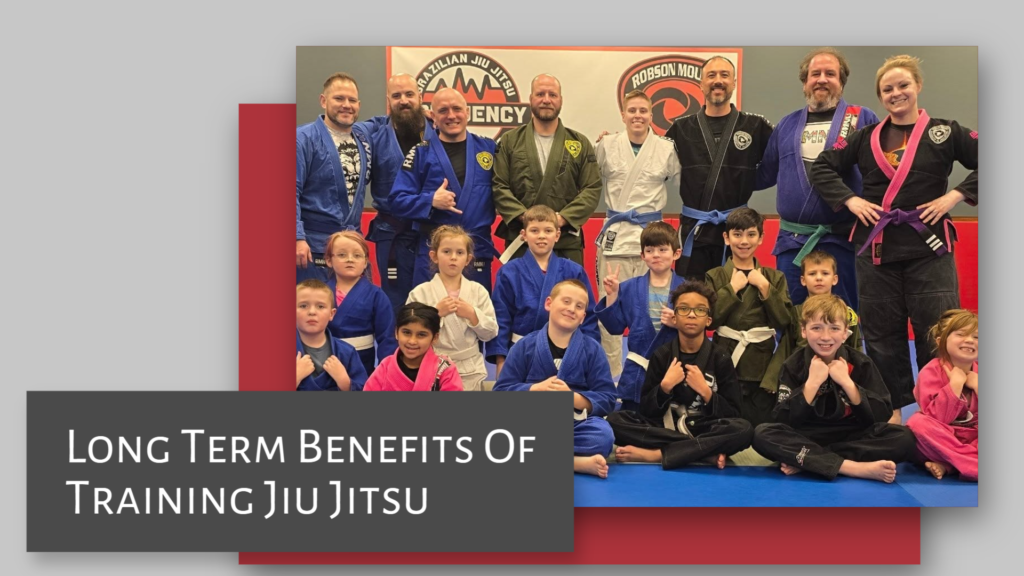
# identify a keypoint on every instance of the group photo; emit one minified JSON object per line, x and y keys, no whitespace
{"x":754,"y":268}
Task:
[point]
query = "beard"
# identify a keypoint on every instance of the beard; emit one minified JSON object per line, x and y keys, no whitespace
{"x":409,"y":121}
{"x":709,"y":97}
{"x":545,"y":114}
{"x":817,"y":102}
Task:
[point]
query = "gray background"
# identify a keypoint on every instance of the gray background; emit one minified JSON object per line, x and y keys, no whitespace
{"x":458,"y":495}
{"x":769,"y":77}
{"x":119,"y":214}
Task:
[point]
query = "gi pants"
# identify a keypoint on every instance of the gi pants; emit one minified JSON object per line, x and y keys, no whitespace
{"x":822,"y":449}
{"x":711,"y":436}
{"x":702,"y":258}
{"x":921,"y":290}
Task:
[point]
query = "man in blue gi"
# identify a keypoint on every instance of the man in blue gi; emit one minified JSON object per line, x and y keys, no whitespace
{"x":393,"y":136}
{"x":332,"y":168}
{"x":808,"y":222}
{"x":447,"y":180}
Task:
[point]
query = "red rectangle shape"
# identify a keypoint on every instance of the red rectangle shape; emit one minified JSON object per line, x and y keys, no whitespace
{"x":602,"y":535}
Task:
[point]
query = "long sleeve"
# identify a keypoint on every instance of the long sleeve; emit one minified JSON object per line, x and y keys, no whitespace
{"x":934,"y":395}
{"x":487,"y":322}
{"x":826,"y":174}
{"x":601,"y":388}
{"x":875,"y":405}
{"x":726,"y":302}
{"x":354,"y":367}
{"x":383,"y":326}
{"x":654,"y":402}
{"x":589,"y":326}
{"x":504,"y":301}
{"x":407,"y":199}
{"x":301,"y":167}
{"x":768,"y":169}
{"x":612,"y":317}
{"x":588,"y":186}
{"x":725,"y":403}
{"x":513,"y":375}
{"x":505,"y":202}
{"x":965,"y":150}
{"x":778,"y":305}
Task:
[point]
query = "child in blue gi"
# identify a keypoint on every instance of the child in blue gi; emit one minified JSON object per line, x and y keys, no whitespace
{"x":322,"y":362}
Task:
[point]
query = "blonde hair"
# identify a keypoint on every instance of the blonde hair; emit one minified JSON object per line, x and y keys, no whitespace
{"x":828,"y":307}
{"x":347,"y":235}
{"x":911,"y":64}
{"x":450,"y":231}
{"x":951,"y":321}
{"x":539,"y":213}
{"x":570,"y":282}
{"x":634,"y":94}
{"x":314,"y":284}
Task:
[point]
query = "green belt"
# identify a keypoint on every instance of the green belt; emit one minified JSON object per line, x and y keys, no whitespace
{"x":815,"y":232}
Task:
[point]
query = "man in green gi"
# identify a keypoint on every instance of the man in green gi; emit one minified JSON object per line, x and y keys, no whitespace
{"x":543,"y":162}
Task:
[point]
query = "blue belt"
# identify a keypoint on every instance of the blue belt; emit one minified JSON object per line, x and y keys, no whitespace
{"x":715,"y":217}
{"x":632,"y":216}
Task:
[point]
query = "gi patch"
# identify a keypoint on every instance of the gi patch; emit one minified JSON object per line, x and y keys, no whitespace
{"x":485,"y":160}
{"x":784,"y":393}
{"x":411,"y":156}
{"x":609,"y":240}
{"x":742,"y":140}
{"x":851,"y":317}
{"x":574,"y":147}
{"x":938,"y":134}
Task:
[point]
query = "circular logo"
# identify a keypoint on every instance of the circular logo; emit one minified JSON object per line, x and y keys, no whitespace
{"x":494,"y":101}
{"x":671,"y":81}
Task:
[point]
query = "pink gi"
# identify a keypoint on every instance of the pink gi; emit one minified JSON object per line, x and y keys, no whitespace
{"x":947,"y":426}
{"x":388,"y":377}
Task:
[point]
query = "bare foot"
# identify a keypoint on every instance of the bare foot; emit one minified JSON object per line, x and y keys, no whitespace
{"x":937,"y":469}
{"x":897,"y":417}
{"x":595,"y":465}
{"x":790,"y":470}
{"x":716,"y":460}
{"x":634,"y":454}
{"x":882,"y":470}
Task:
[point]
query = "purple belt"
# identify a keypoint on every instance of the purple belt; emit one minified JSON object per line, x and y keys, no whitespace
{"x":899,"y":217}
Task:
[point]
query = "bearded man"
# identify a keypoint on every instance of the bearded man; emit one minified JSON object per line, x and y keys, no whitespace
{"x":719,"y":148}
{"x":393,"y":136}
{"x":808,"y":222}
{"x":544,"y":162}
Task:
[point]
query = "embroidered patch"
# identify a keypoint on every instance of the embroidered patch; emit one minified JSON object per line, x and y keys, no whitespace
{"x":742,"y":140}
{"x":485,"y":160}
{"x":938,"y":134}
{"x":839,"y":145}
{"x":410,"y":158}
{"x":784,"y":393}
{"x":574,"y":147}
{"x":974,"y":134}
{"x":800,"y":456}
{"x":851,"y":317}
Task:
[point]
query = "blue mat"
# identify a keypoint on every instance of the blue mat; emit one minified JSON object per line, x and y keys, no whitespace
{"x":647,"y":485}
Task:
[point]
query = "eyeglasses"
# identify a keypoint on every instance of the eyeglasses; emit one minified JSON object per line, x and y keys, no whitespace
{"x":356,"y":257}
{"x":698,"y":312}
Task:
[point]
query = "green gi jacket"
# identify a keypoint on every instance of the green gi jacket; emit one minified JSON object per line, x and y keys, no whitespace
{"x":746,"y":310}
{"x":570,"y":185}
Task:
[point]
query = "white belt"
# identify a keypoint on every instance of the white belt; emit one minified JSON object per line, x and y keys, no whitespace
{"x":752,"y":336}
{"x":363,"y":342}
{"x":675,"y":419}
{"x":465,"y":354}
{"x":581,"y":415}
{"x":640,"y":360}
{"x":516,"y":338}
{"x":510,"y":250}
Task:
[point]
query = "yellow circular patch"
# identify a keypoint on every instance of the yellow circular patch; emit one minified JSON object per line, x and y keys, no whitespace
{"x":485,"y":160}
{"x":574,"y":147}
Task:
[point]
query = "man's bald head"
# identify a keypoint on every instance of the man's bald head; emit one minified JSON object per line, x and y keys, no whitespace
{"x":451,"y":114}
{"x":404,"y":103}
{"x":546,"y":78}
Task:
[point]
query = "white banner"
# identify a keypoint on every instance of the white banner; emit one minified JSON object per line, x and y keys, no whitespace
{"x":496,"y":81}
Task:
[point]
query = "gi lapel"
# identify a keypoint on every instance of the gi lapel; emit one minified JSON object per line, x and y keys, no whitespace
{"x":545,"y":361}
{"x":716,"y":150}
{"x":533,"y":159}
{"x":573,"y":361}
{"x":339,"y":172}
{"x":352,"y":300}
{"x":635,"y":168}
{"x":896,"y":176}
{"x":437,"y":147}
{"x":556,"y":161}
{"x":553,"y":276}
